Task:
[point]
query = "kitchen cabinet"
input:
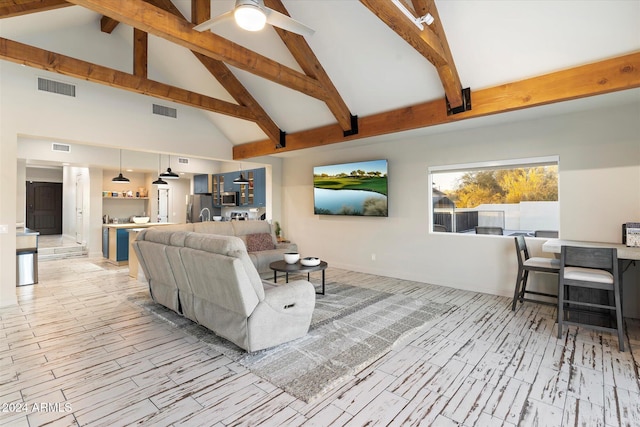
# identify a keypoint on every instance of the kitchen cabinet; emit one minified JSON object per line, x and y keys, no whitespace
{"x":250,"y":195}
{"x":259,"y":188}
{"x":217,"y":184}
{"x":118,"y":246}
{"x":115,"y":240}
{"x":201,"y":184}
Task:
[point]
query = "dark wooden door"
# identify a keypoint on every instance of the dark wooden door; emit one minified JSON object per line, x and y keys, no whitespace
{"x":44,"y":207}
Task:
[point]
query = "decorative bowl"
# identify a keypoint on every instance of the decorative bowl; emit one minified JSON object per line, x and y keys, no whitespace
{"x":310,"y":261}
{"x":291,"y":257}
{"x":141,"y":219}
{"x":216,"y":218}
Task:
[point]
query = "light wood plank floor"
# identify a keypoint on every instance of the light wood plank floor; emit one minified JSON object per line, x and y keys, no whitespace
{"x":76,"y":351}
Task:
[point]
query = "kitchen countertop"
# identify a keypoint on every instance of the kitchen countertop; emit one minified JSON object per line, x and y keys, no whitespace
{"x":24,"y":231}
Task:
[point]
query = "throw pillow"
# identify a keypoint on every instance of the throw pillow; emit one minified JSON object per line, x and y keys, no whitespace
{"x":259,"y":242}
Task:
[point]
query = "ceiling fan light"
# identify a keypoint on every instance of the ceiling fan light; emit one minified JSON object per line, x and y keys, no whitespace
{"x":250,"y":17}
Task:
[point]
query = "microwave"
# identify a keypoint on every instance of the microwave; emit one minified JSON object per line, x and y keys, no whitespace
{"x":229,"y":198}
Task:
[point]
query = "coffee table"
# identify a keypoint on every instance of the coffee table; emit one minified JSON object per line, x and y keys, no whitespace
{"x":283,"y":267}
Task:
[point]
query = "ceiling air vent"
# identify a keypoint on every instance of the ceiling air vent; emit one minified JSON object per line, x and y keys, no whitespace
{"x":183,"y":160}
{"x":61,"y":147}
{"x":53,"y":86}
{"x":161,"y":110}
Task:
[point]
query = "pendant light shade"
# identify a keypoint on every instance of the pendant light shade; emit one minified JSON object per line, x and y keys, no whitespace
{"x":120,"y":179}
{"x":241,"y":180}
{"x":169,"y":174}
{"x":159,"y":181}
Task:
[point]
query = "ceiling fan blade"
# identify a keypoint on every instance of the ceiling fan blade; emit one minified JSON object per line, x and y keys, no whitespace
{"x":209,"y":23}
{"x":285,"y":22}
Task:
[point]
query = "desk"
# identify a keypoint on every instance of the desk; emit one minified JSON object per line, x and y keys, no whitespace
{"x":624,"y":252}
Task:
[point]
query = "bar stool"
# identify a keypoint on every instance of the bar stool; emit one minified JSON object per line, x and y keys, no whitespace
{"x":589,"y":268}
{"x":527,"y":264}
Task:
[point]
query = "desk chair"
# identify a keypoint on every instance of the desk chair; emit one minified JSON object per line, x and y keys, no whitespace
{"x":527,"y":264}
{"x":589,"y":268}
{"x":489,"y":230}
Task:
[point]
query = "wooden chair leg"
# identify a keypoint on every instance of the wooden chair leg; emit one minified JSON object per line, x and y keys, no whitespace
{"x":560,"y":308}
{"x":516,"y":292}
{"x":525,"y":278}
{"x":619,"y":320}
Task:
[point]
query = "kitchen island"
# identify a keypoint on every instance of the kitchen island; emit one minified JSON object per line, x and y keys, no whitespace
{"x":115,"y":240}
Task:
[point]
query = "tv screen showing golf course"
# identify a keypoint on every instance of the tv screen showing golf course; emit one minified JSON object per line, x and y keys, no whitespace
{"x":358,"y":189}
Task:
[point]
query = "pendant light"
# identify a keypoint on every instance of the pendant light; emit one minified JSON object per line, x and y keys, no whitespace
{"x":120,"y":179}
{"x":169,"y":174}
{"x":159,"y":181}
{"x":241,"y":180}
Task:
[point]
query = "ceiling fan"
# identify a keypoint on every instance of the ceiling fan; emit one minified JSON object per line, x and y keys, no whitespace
{"x":252,"y":15}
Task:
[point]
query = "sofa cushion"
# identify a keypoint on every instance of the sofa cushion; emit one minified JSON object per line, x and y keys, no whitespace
{"x":259,"y":242}
{"x":219,"y":279}
{"x":223,"y":228}
{"x":230,"y":246}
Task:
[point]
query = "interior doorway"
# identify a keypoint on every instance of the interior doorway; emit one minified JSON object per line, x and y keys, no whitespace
{"x":163,"y":205}
{"x":44,"y":207}
{"x":79,"y":209}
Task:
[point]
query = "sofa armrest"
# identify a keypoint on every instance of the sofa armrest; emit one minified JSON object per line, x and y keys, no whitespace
{"x":298,"y":296}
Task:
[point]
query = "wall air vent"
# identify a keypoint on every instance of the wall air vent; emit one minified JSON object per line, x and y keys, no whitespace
{"x":65,"y":148}
{"x":53,"y":86}
{"x":183,"y":160}
{"x":161,"y":110}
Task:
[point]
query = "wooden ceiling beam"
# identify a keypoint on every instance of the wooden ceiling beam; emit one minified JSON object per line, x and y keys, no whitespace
{"x":426,"y":42}
{"x":156,"y":21}
{"x":140,"y":53}
{"x":610,"y":75}
{"x":448,"y":73}
{"x":10,"y":8}
{"x":200,"y":12}
{"x":39,"y":58}
{"x":304,"y":56}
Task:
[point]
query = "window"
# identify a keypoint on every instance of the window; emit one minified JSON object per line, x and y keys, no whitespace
{"x":511,"y":198}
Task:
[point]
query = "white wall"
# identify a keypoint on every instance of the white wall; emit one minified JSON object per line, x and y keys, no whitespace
{"x":599,"y":185}
{"x":99,"y":116}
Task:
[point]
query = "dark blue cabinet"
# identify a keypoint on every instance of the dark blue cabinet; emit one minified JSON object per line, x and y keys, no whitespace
{"x":122,"y":245}
{"x":259,"y":187}
{"x":201,"y":184}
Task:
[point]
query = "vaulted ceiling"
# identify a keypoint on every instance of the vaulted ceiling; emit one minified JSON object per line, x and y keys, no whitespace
{"x":367,"y":71}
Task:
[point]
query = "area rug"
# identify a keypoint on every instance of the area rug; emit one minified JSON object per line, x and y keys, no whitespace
{"x":351,"y":328}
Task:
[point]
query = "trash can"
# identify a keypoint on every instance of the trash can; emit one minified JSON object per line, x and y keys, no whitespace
{"x":26,"y":266}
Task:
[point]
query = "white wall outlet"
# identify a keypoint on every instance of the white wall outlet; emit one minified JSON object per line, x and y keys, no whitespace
{"x":373,"y":257}
{"x":4,"y":229}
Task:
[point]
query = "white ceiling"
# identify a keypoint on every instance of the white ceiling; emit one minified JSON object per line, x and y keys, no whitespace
{"x":492,"y":42}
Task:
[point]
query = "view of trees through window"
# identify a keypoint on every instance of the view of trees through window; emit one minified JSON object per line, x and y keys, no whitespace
{"x":517,"y":200}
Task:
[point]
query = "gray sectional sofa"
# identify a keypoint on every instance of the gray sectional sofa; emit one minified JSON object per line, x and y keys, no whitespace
{"x":212,"y":280}
{"x":258,"y":237}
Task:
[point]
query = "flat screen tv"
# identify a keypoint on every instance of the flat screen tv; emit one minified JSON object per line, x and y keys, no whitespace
{"x":358,"y":189}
